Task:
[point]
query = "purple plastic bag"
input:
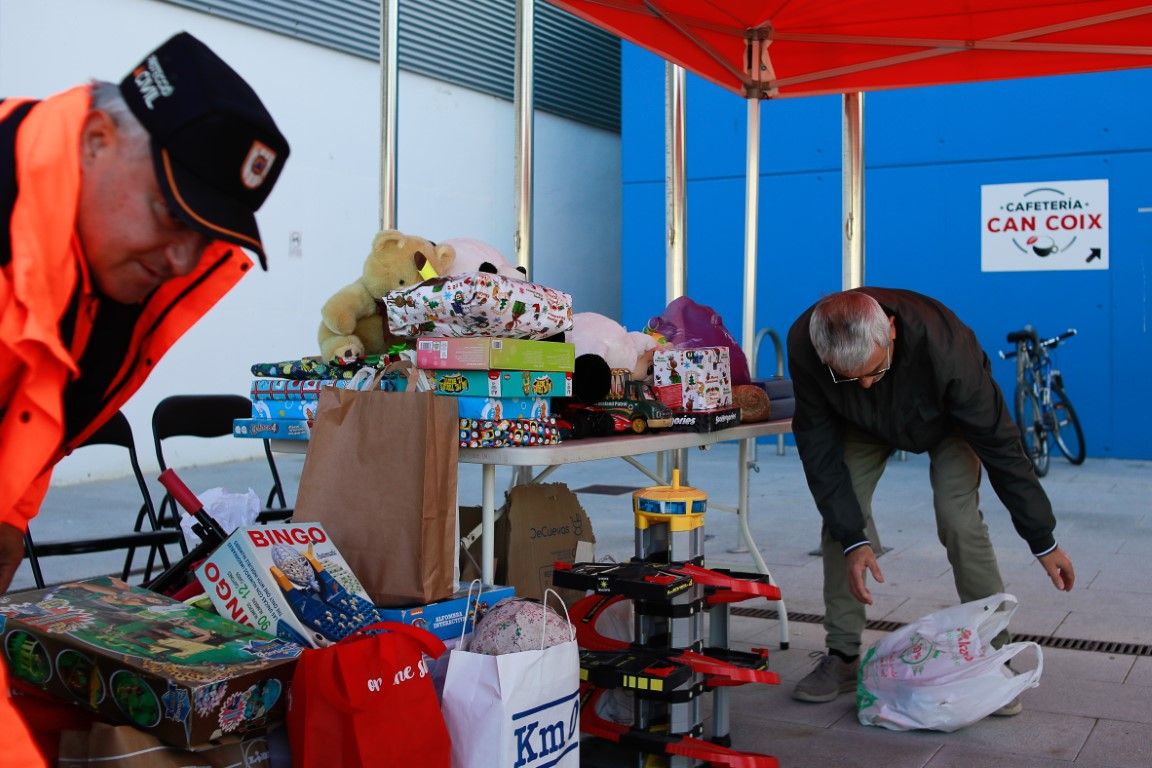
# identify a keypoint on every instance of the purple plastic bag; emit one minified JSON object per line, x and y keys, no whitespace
{"x":686,"y":324}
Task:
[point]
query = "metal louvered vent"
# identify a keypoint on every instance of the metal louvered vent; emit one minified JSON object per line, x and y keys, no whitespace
{"x":473,"y":44}
{"x":1045,"y":641}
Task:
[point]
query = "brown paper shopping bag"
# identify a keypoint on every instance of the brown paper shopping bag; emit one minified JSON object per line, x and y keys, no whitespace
{"x":380,"y":476}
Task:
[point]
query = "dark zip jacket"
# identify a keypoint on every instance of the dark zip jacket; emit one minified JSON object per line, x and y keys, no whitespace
{"x":940,"y":384}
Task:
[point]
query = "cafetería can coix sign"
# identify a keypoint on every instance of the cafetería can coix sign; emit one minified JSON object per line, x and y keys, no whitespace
{"x":1044,"y":225}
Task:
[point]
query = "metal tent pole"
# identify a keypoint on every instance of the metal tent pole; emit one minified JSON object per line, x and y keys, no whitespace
{"x":389,"y":68}
{"x":852,"y":175}
{"x":524,"y":100}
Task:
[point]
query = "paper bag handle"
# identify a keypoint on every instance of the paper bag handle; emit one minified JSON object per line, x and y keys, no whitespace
{"x":467,"y":602}
{"x":544,"y":621}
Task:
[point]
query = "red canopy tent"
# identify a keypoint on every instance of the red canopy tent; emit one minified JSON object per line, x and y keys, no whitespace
{"x":775,"y":48}
{"x":766,"y":49}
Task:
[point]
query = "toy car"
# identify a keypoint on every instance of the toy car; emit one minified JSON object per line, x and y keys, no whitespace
{"x":637,"y":413}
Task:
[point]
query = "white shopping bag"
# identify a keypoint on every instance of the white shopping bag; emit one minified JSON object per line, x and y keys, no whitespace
{"x":516,"y":710}
{"x":940,"y":672}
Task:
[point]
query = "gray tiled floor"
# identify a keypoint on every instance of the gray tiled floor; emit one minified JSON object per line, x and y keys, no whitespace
{"x":1091,"y":709}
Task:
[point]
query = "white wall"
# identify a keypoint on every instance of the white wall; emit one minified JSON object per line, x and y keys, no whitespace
{"x":456,"y":173}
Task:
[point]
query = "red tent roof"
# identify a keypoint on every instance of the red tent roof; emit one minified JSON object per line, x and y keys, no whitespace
{"x":777,"y":48}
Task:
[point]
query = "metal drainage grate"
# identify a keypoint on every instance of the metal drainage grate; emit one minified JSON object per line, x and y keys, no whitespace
{"x":1045,"y":641}
{"x":607,"y":490}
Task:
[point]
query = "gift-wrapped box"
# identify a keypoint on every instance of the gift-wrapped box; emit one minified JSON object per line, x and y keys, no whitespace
{"x":697,"y":379}
{"x":264,"y":388}
{"x":137,"y":657}
{"x":478,"y":304}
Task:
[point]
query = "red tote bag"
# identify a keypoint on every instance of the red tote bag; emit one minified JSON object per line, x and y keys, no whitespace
{"x":368,"y":701}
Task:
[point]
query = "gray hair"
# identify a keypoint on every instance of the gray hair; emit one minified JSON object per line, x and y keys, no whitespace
{"x":846,"y":328}
{"x":107,"y":98}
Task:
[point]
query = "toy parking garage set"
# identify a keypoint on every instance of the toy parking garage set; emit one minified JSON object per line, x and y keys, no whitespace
{"x":668,"y":665}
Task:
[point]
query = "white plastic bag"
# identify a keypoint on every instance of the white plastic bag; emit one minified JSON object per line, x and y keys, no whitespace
{"x":231,"y":510}
{"x":940,"y":672}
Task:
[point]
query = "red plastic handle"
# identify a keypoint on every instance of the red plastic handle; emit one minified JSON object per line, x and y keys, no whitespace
{"x":180,"y":492}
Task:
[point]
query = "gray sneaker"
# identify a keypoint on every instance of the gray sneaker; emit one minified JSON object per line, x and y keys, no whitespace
{"x":832,"y":677}
{"x":1011,"y":709}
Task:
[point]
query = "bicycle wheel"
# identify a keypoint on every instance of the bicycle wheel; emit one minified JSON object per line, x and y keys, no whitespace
{"x":1030,"y":420}
{"x":1066,"y":427}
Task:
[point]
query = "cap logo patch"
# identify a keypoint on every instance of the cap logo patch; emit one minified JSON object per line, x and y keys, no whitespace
{"x":151,"y":81}
{"x":257,"y":164}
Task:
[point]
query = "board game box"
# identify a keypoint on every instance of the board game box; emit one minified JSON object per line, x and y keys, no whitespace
{"x":485,"y":353}
{"x":288,"y":580}
{"x":185,"y":675}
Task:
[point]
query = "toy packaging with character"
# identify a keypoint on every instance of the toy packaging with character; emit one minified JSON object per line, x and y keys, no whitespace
{"x":288,"y":580}
{"x":185,"y":675}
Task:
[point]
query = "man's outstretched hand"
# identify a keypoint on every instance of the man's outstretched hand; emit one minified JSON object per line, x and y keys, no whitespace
{"x":859,"y":561}
{"x":1059,"y":568}
{"x":11,"y":553}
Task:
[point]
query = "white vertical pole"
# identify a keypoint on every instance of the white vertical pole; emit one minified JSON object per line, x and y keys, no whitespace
{"x":751,"y":220}
{"x":852,"y":177}
{"x":675,"y":191}
{"x":389,"y":28}
{"x":523,"y":98}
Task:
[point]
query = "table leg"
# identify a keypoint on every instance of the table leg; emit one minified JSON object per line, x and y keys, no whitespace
{"x":742,"y":514}
{"x":488,"y":525}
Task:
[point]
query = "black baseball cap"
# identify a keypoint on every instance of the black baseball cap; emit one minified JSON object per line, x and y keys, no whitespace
{"x":216,"y":149}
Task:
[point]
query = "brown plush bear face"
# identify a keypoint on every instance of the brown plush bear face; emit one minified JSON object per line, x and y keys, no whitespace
{"x":396,"y":261}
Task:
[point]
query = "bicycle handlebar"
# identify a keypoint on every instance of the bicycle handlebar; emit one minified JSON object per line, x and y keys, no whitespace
{"x":1028,"y":334}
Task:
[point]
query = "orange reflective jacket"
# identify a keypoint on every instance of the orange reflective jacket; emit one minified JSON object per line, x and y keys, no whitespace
{"x":39,"y":277}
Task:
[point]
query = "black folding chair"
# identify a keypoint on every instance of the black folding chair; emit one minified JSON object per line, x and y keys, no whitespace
{"x":116,"y":432}
{"x":209,"y":416}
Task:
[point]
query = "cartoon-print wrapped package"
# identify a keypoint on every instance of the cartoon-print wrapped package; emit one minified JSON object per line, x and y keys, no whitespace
{"x":184,"y":675}
{"x":478,"y":304}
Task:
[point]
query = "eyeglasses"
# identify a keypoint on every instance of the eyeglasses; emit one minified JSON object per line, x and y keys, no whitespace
{"x":875,"y":375}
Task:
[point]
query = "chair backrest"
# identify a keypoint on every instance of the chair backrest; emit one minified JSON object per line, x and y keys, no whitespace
{"x":206,"y":416}
{"x":198,"y":415}
{"x":115,"y":432}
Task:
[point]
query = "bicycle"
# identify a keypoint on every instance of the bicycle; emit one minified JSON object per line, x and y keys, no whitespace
{"x":1042,"y":407}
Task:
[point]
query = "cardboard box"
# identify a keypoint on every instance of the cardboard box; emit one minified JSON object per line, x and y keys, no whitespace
{"x":496,"y":408}
{"x":707,"y":421}
{"x":544,"y":524}
{"x":448,"y":619}
{"x":495,"y":383}
{"x":132,"y":656}
{"x":272,"y":429}
{"x":288,"y":580}
{"x":693,"y":379}
{"x":484,"y":353}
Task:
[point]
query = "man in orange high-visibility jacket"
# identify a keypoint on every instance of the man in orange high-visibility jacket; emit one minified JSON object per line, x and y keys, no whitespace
{"x":121,"y":209}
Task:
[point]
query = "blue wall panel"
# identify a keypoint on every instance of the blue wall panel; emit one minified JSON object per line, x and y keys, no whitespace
{"x":927,"y":152}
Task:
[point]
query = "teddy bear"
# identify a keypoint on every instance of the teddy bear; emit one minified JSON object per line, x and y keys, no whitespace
{"x":474,"y":255}
{"x":351,"y":325}
{"x":605,"y":348}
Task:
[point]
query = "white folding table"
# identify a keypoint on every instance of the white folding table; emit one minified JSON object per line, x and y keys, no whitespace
{"x":626,"y":447}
